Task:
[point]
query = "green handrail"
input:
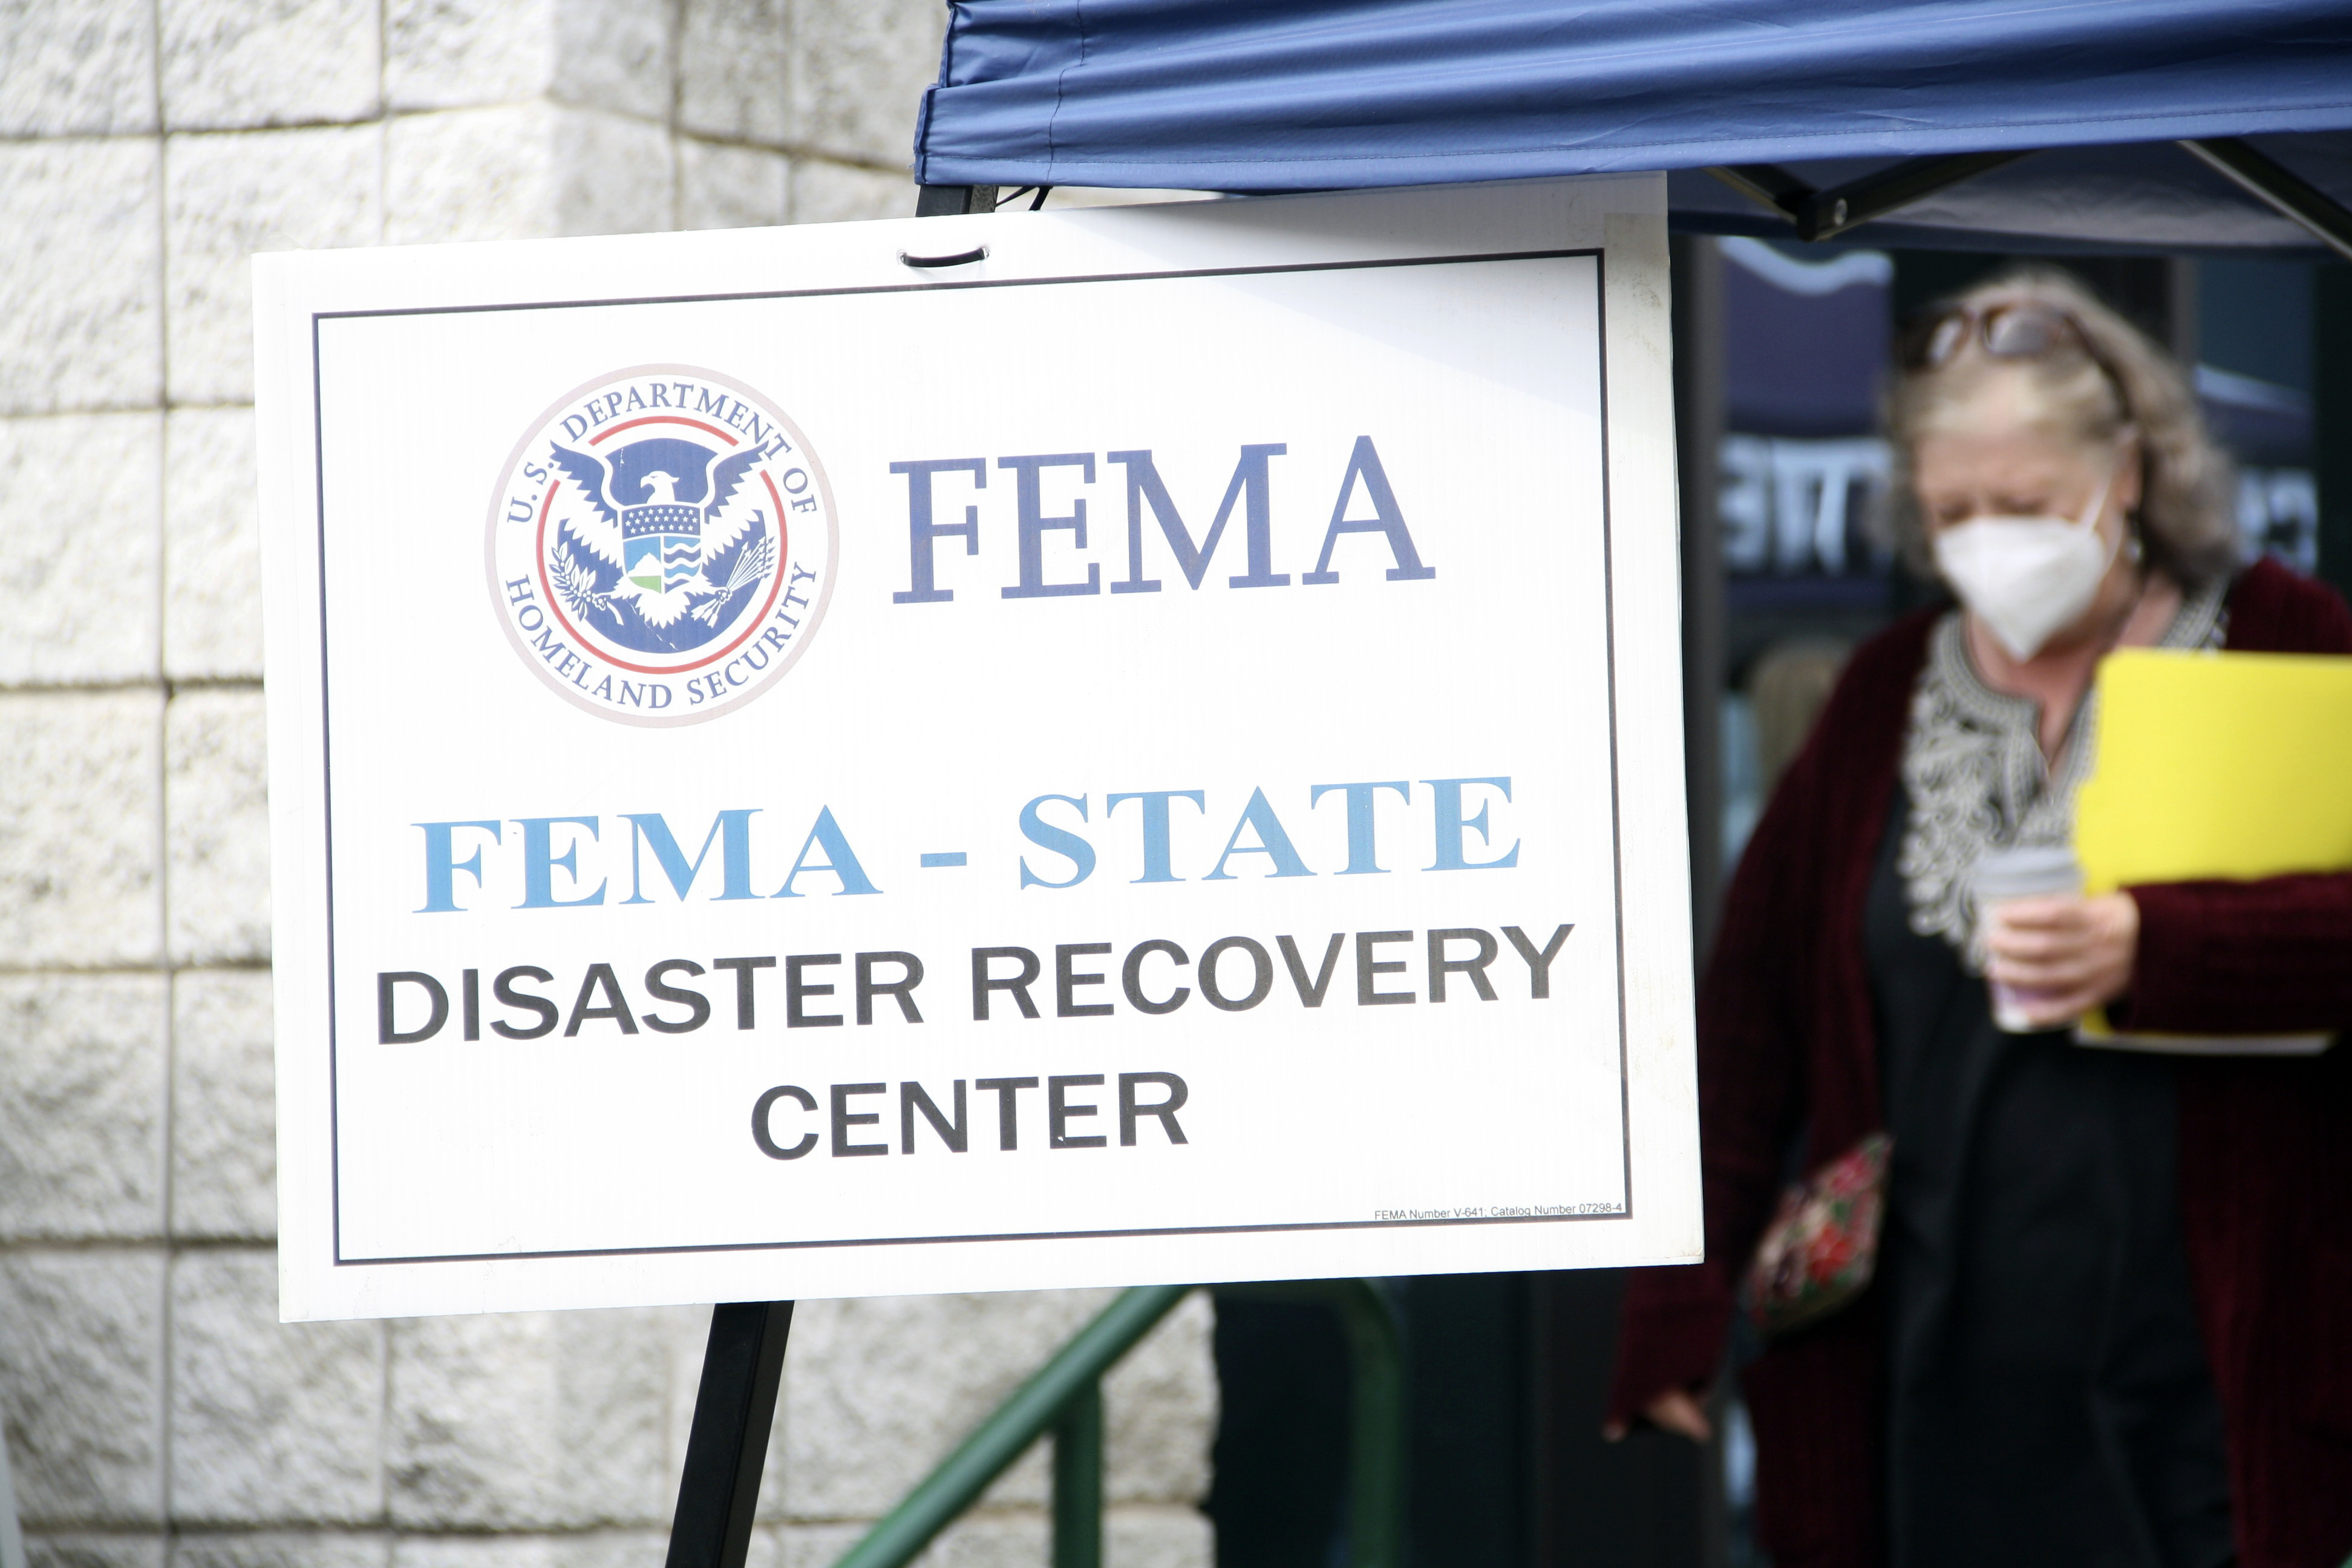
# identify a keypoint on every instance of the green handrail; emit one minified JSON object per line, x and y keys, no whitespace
{"x":1078,"y":1482}
{"x":1064,"y":1397}
{"x":1006,"y":1434}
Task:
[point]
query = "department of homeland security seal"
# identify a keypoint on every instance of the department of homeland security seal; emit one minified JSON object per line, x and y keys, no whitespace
{"x":661,"y":545}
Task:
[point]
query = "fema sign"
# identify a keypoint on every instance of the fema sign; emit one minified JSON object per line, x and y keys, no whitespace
{"x":660,"y":545}
{"x":1147,"y":752}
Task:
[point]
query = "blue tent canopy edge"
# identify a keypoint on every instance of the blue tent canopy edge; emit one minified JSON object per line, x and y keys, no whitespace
{"x":1328,"y":94}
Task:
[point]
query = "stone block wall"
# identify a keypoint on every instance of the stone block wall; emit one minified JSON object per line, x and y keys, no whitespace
{"x":156,"y":1414}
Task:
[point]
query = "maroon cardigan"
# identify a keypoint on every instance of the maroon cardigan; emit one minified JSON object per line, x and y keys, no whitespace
{"x":1787,"y":1049}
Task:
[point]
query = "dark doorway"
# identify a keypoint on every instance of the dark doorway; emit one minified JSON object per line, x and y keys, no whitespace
{"x":1507,"y":1376}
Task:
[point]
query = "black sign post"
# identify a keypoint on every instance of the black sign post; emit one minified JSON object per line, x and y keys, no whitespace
{"x":734,"y":1410}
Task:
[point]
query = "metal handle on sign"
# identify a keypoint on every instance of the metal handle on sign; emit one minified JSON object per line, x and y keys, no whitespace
{"x":977,"y":253}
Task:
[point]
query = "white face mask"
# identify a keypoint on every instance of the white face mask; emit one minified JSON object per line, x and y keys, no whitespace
{"x":2027,"y":578}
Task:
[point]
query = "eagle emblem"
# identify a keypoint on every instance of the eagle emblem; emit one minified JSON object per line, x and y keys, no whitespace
{"x":660,"y":545}
{"x":654,"y":555}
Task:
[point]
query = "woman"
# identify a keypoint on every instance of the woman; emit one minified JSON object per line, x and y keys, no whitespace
{"x":2112,"y":1318}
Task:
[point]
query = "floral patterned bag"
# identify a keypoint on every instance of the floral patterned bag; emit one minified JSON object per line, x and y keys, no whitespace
{"x":1822,"y":1247}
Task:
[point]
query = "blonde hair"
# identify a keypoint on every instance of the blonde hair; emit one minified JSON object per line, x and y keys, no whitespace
{"x":2125,"y":385}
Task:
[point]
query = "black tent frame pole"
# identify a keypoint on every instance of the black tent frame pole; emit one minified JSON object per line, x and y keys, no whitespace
{"x":1698,"y":376}
{"x":727,"y":1451}
{"x":2278,"y":187}
{"x":954,"y":200}
{"x":1825,"y":215}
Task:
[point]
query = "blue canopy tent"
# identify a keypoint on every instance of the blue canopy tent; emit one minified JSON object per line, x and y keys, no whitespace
{"x":2154,"y":125}
{"x":2111,"y":127}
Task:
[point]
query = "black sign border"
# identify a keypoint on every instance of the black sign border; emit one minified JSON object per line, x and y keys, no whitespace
{"x":1598,"y":256}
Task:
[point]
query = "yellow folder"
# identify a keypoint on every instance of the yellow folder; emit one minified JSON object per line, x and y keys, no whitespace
{"x":2232,"y":765}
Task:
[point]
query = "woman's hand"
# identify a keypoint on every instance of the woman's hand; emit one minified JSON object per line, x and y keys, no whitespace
{"x":2070,"y":953}
{"x":1674,"y":1410}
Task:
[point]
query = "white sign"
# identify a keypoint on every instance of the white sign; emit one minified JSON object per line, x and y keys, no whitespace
{"x":1152,"y":754}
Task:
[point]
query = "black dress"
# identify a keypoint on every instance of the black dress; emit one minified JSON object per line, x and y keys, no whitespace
{"x":2047,"y":1397}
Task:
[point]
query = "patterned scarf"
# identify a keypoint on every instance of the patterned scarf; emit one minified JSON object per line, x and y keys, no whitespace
{"x":1973,"y":768}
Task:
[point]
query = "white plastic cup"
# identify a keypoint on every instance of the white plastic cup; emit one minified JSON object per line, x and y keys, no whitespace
{"x":2022,"y":871}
